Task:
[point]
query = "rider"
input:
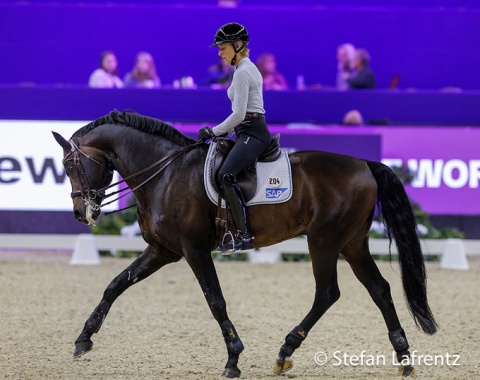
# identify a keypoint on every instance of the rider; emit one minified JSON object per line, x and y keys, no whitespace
{"x":248,"y":121}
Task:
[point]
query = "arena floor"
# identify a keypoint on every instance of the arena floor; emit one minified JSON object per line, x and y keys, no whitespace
{"x":162,"y":328}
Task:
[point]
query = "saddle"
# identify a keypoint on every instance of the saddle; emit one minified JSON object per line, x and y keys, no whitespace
{"x":246,"y":179}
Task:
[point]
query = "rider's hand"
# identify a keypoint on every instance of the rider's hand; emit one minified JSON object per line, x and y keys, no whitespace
{"x":205,"y":133}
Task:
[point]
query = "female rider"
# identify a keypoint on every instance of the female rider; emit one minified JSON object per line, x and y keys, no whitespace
{"x":248,"y":121}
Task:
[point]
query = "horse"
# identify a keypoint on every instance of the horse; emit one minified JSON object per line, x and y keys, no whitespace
{"x":334,"y":201}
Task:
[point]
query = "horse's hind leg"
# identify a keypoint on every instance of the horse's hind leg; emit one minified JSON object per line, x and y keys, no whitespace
{"x":358,"y":256}
{"x":324,"y":263}
{"x":147,"y":263}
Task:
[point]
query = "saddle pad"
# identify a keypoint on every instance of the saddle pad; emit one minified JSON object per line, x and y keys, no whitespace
{"x":274,"y":180}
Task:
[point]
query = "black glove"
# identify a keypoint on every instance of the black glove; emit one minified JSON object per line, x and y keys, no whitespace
{"x":205,"y":133}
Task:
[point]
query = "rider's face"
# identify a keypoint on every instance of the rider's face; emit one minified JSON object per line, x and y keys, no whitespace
{"x":226,"y":52}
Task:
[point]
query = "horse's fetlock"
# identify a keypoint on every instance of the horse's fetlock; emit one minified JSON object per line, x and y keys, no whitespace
{"x":235,"y":347}
{"x":399,"y":341}
{"x":285,"y":351}
{"x":295,"y":337}
{"x":232,"y":340}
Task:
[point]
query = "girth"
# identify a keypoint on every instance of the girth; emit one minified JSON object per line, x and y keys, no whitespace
{"x":246,"y":179}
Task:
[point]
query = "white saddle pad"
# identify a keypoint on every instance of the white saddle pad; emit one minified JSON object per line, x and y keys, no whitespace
{"x":274,"y":180}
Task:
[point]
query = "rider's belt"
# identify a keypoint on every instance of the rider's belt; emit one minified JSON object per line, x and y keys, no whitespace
{"x":254,"y":114}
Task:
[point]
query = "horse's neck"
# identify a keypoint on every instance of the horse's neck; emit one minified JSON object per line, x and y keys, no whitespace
{"x":132,"y":158}
{"x":130,"y":153}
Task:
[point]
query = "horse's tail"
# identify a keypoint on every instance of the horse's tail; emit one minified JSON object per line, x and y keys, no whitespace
{"x":400,"y":223}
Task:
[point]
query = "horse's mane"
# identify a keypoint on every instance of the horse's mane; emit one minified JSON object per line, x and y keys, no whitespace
{"x":139,"y":122}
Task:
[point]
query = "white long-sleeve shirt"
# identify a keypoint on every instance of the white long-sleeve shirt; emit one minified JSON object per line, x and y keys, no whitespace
{"x":246,"y":95}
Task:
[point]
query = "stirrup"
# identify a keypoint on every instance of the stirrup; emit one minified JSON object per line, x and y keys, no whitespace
{"x":242,"y":241}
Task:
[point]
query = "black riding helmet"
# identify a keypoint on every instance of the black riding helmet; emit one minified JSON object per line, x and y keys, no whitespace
{"x":232,"y":32}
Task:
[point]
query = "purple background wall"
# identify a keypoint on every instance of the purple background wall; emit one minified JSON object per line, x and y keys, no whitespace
{"x":429,"y":44}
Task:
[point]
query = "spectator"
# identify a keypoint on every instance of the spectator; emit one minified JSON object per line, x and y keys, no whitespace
{"x":220,"y":75}
{"x":143,"y":74}
{"x":364,"y":77}
{"x":106,"y":76}
{"x":345,"y":57}
{"x":353,"y":117}
{"x":272,"y":79}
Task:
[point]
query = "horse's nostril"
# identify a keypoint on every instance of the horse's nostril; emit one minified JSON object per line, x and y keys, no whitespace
{"x":76,"y":213}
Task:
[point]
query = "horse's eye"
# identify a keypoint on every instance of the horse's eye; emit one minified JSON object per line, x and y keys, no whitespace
{"x":69,"y":170}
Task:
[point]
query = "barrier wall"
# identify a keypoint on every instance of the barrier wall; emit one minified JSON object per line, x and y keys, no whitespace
{"x":211,"y":106}
{"x":429,"y":45}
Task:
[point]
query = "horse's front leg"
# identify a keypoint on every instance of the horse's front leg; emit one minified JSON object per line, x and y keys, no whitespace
{"x":204,"y":269}
{"x":147,"y":263}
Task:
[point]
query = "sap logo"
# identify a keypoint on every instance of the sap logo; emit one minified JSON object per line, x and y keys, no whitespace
{"x":274,"y":193}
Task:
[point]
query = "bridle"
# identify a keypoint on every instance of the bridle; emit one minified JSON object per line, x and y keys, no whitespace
{"x":90,"y":195}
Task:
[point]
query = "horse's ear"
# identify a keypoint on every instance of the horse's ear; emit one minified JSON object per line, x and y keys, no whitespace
{"x":63,"y":143}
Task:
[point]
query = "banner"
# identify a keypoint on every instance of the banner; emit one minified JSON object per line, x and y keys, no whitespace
{"x":445,"y":161}
{"x":32,"y":176}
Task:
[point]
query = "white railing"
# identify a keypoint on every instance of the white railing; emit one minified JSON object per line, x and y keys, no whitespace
{"x":85,"y":247}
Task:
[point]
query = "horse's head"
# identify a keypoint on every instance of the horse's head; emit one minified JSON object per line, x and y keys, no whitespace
{"x":89,"y":171}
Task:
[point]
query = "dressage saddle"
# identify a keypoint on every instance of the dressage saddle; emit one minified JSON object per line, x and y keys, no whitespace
{"x":246,"y":179}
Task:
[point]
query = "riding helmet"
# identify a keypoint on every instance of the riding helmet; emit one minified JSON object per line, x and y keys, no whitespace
{"x":229,"y":33}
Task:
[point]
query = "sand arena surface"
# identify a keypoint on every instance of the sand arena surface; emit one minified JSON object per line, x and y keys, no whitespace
{"x":162,"y":328}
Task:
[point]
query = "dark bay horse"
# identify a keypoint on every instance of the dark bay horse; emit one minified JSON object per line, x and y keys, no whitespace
{"x":333,"y":204}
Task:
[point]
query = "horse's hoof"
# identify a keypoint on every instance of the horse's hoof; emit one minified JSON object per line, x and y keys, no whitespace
{"x":282,"y":365}
{"x":406,"y":370}
{"x":81,"y":348}
{"x":231,"y":372}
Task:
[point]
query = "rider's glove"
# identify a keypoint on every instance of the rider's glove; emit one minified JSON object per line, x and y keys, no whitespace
{"x":205,"y":134}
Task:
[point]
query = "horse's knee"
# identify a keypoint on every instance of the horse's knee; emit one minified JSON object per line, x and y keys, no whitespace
{"x":327,"y":296}
{"x":217,"y":307}
{"x":335,"y":294}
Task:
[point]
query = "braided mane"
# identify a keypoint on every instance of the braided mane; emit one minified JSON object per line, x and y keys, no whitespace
{"x":142,"y":123}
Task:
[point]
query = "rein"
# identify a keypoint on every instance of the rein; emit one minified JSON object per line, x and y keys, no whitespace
{"x":91,"y":194}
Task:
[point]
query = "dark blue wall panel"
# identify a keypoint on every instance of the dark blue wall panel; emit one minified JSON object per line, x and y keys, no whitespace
{"x":212,"y":106}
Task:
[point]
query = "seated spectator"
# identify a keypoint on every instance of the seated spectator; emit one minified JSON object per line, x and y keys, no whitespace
{"x":220,"y":75}
{"x":106,"y":76}
{"x":143,"y":74}
{"x":353,"y":117}
{"x":364,"y":77}
{"x":272,"y":79}
{"x":345,"y":57}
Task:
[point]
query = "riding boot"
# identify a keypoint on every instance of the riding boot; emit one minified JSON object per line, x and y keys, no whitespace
{"x":242,"y":240}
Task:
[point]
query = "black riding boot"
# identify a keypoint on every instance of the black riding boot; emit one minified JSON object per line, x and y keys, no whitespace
{"x":242,"y":240}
